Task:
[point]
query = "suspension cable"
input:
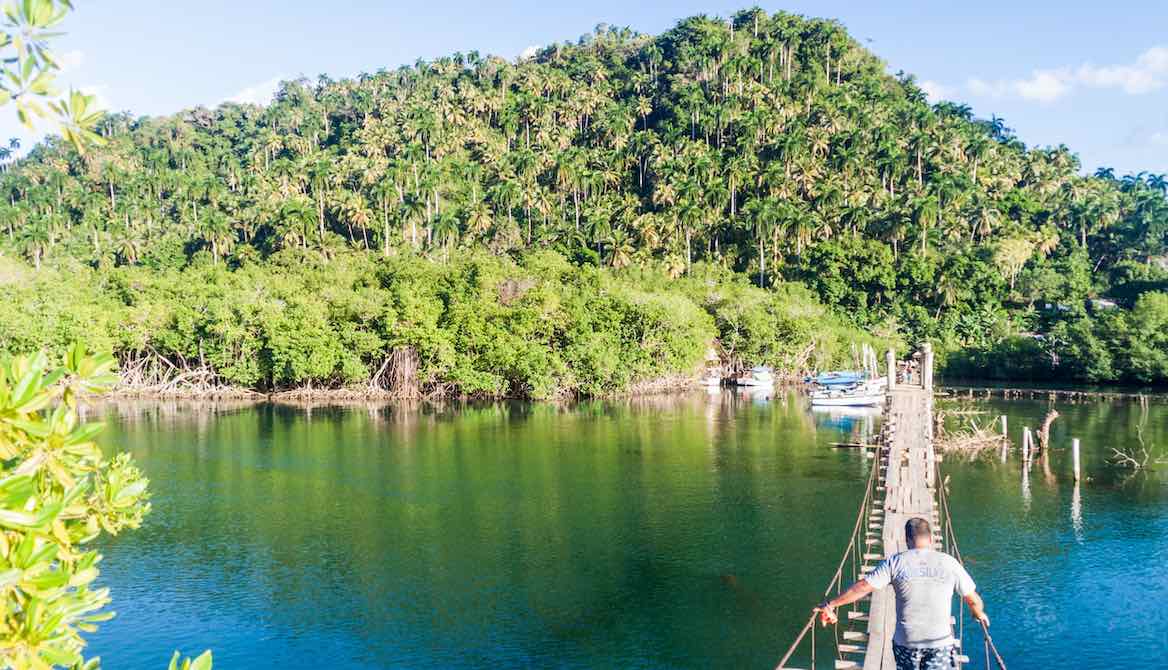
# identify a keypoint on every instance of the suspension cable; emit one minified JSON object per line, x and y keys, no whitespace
{"x":991,"y":647}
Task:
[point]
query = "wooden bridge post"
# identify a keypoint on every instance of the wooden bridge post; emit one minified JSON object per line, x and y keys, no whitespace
{"x":927,"y":366}
{"x":890,"y":359}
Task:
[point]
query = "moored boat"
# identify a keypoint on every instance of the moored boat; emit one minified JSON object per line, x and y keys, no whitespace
{"x":839,"y":378}
{"x":869,"y":393}
{"x":759,"y":375}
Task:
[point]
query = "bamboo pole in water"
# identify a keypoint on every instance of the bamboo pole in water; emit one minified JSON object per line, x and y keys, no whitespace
{"x":1005,"y":439}
{"x":1075,"y":456}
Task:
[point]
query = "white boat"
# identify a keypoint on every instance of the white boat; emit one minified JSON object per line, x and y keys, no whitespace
{"x":847,"y":400}
{"x":760,"y":375}
{"x":868,"y":394}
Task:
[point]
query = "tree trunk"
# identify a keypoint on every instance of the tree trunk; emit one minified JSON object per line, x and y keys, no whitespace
{"x":385,"y":226}
{"x":688,"y":251}
{"x":761,"y":262}
{"x":320,"y":217}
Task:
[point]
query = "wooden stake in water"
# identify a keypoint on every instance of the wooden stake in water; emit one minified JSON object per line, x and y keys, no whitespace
{"x":1026,"y":446}
{"x":1005,"y":439}
{"x":1075,"y":456}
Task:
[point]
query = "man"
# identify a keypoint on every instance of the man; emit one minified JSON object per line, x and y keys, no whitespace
{"x":924,"y":581}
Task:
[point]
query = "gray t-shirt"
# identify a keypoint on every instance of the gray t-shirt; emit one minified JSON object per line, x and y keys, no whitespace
{"x":924,"y":580}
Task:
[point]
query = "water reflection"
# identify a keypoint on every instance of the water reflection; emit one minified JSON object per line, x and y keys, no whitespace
{"x":657,"y":531}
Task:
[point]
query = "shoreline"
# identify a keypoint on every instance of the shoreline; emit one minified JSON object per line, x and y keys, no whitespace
{"x":973,"y":392}
{"x":648,"y":388}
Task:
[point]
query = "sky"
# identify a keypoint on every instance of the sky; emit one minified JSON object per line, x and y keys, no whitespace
{"x":1088,"y":74}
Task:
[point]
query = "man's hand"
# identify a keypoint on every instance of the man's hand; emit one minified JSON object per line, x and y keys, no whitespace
{"x":977,"y":609}
{"x":827,"y":615}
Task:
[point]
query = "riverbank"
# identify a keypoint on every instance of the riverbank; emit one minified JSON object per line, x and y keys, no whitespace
{"x":1071,"y":395}
{"x":663,"y":386}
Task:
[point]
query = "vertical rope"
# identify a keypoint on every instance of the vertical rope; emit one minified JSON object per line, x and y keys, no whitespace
{"x":813,"y":648}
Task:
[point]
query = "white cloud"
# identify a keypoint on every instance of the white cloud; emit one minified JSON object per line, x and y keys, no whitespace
{"x":1160,"y":137}
{"x":936,"y":91}
{"x":1044,"y":86}
{"x":1149,"y":72}
{"x":257,"y":94}
{"x":530,"y":52}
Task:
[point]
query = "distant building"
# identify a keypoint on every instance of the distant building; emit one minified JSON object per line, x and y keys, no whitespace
{"x":1102,"y":304}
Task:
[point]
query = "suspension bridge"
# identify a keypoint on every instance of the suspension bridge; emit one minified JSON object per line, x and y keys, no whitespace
{"x":904,"y":482}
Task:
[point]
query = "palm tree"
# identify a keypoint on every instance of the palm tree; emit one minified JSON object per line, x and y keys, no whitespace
{"x":384,"y":191}
{"x":296,"y":220}
{"x":319,"y":173}
{"x":446,"y":230}
{"x":34,"y":242}
{"x":217,"y":232}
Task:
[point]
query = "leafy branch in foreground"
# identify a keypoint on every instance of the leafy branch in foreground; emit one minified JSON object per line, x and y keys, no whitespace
{"x":203,"y":662}
{"x":28,"y":71}
{"x":57,"y":494}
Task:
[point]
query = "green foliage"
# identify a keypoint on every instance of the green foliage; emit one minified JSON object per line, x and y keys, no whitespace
{"x":57,"y":494}
{"x":774,"y":145}
{"x":854,"y":274}
{"x":1148,"y":349}
{"x":481,"y":325}
{"x":1112,"y":346}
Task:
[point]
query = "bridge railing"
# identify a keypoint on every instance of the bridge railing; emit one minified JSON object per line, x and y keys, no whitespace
{"x":949,"y":543}
{"x":847,"y":571}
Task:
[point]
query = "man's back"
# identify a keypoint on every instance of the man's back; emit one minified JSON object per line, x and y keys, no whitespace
{"x":924,"y":581}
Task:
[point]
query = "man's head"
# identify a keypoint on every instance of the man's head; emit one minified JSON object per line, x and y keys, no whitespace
{"x":918,"y":533}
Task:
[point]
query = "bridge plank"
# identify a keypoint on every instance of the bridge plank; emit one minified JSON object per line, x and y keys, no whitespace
{"x":908,"y":492}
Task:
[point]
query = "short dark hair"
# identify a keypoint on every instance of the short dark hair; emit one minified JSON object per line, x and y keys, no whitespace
{"x":917,"y":527}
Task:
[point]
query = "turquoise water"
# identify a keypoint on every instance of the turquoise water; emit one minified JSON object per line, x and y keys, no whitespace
{"x":683,"y":532}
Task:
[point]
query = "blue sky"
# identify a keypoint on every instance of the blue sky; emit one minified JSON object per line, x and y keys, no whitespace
{"x":1091,"y":75}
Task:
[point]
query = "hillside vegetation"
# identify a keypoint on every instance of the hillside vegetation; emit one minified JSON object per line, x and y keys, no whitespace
{"x":775,"y":147}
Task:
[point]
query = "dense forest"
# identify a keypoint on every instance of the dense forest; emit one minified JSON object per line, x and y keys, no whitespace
{"x":584,"y":219}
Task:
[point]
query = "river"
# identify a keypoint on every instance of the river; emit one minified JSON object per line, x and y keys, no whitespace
{"x":661,"y":532}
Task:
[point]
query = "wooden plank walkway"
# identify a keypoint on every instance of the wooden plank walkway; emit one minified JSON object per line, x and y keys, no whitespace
{"x":907,"y":481}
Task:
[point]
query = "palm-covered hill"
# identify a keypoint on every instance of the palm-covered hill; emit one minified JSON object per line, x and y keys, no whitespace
{"x":773,"y":146}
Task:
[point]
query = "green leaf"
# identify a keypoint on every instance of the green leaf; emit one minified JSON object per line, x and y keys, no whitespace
{"x":84,"y":433}
{"x":32,"y":428}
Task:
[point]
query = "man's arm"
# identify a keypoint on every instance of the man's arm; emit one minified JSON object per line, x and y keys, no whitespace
{"x":855,"y":592}
{"x":977,"y":607}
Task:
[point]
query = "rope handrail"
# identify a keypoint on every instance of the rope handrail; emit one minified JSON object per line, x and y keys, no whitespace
{"x":952,"y":542}
{"x":991,"y":647}
{"x":837,"y":577}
